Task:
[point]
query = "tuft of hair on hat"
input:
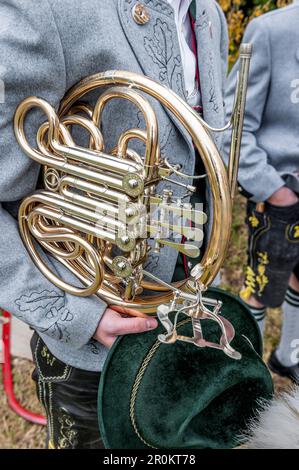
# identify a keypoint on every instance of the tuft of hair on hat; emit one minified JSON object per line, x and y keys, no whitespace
{"x":276,"y":424}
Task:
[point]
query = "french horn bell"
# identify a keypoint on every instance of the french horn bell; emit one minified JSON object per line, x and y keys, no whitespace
{"x":93,"y":213}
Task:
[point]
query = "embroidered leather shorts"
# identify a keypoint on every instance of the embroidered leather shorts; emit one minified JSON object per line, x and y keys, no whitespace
{"x":273,"y":252}
{"x":69,"y":397}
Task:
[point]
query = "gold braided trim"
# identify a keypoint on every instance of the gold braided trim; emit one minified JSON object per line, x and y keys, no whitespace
{"x":137,"y":383}
{"x":51,"y":445}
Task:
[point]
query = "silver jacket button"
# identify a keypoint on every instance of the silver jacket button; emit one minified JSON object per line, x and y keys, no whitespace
{"x":140,"y":13}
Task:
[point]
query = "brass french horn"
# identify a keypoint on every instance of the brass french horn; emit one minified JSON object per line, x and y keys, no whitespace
{"x":93,"y":214}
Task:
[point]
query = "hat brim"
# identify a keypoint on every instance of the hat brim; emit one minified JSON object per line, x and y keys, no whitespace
{"x":216,"y":381}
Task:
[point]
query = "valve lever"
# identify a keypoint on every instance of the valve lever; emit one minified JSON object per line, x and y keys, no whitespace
{"x":185,"y":248}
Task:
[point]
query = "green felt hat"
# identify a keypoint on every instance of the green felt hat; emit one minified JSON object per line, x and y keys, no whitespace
{"x":155,"y":395}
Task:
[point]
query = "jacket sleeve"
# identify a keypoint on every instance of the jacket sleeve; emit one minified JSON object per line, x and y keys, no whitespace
{"x":32,"y":63}
{"x":257,"y":177}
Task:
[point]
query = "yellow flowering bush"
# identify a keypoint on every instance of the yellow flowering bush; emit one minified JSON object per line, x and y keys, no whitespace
{"x":239,"y":13}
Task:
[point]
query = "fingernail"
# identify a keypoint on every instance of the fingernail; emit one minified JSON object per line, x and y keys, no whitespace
{"x":151,"y":324}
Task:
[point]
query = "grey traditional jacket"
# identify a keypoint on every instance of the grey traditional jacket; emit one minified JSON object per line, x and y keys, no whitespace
{"x":45,"y":47}
{"x":270,"y":145}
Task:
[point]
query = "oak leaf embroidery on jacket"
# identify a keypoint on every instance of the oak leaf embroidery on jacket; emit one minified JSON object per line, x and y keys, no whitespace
{"x":52,"y":305}
{"x":212,"y":89}
{"x":152,"y":261}
{"x":44,"y":300}
{"x":93,"y":347}
{"x":160,"y":50}
{"x":202,"y":21}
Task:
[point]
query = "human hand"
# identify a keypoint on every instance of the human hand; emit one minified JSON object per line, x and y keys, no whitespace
{"x":283,"y":197}
{"x":112,"y":324}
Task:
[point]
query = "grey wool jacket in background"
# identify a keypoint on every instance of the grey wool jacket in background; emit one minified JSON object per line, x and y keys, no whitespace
{"x":270,"y":142}
{"x":46,"y":46}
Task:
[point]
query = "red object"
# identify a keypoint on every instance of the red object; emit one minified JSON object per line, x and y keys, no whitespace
{"x":8,"y":378}
{"x":194,"y":47}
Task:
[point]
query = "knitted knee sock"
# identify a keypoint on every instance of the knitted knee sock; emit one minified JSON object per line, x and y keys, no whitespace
{"x":289,"y":339}
{"x":260,"y":315}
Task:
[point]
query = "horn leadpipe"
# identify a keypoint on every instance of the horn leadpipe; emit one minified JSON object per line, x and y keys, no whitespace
{"x":238,"y":116}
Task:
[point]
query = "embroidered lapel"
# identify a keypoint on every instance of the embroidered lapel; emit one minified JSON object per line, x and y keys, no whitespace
{"x":155,"y":43}
{"x":156,"y":47}
{"x":206,"y":23}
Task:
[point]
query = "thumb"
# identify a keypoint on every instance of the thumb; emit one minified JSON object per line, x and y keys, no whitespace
{"x":134,"y":325}
{"x":129,"y":311}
